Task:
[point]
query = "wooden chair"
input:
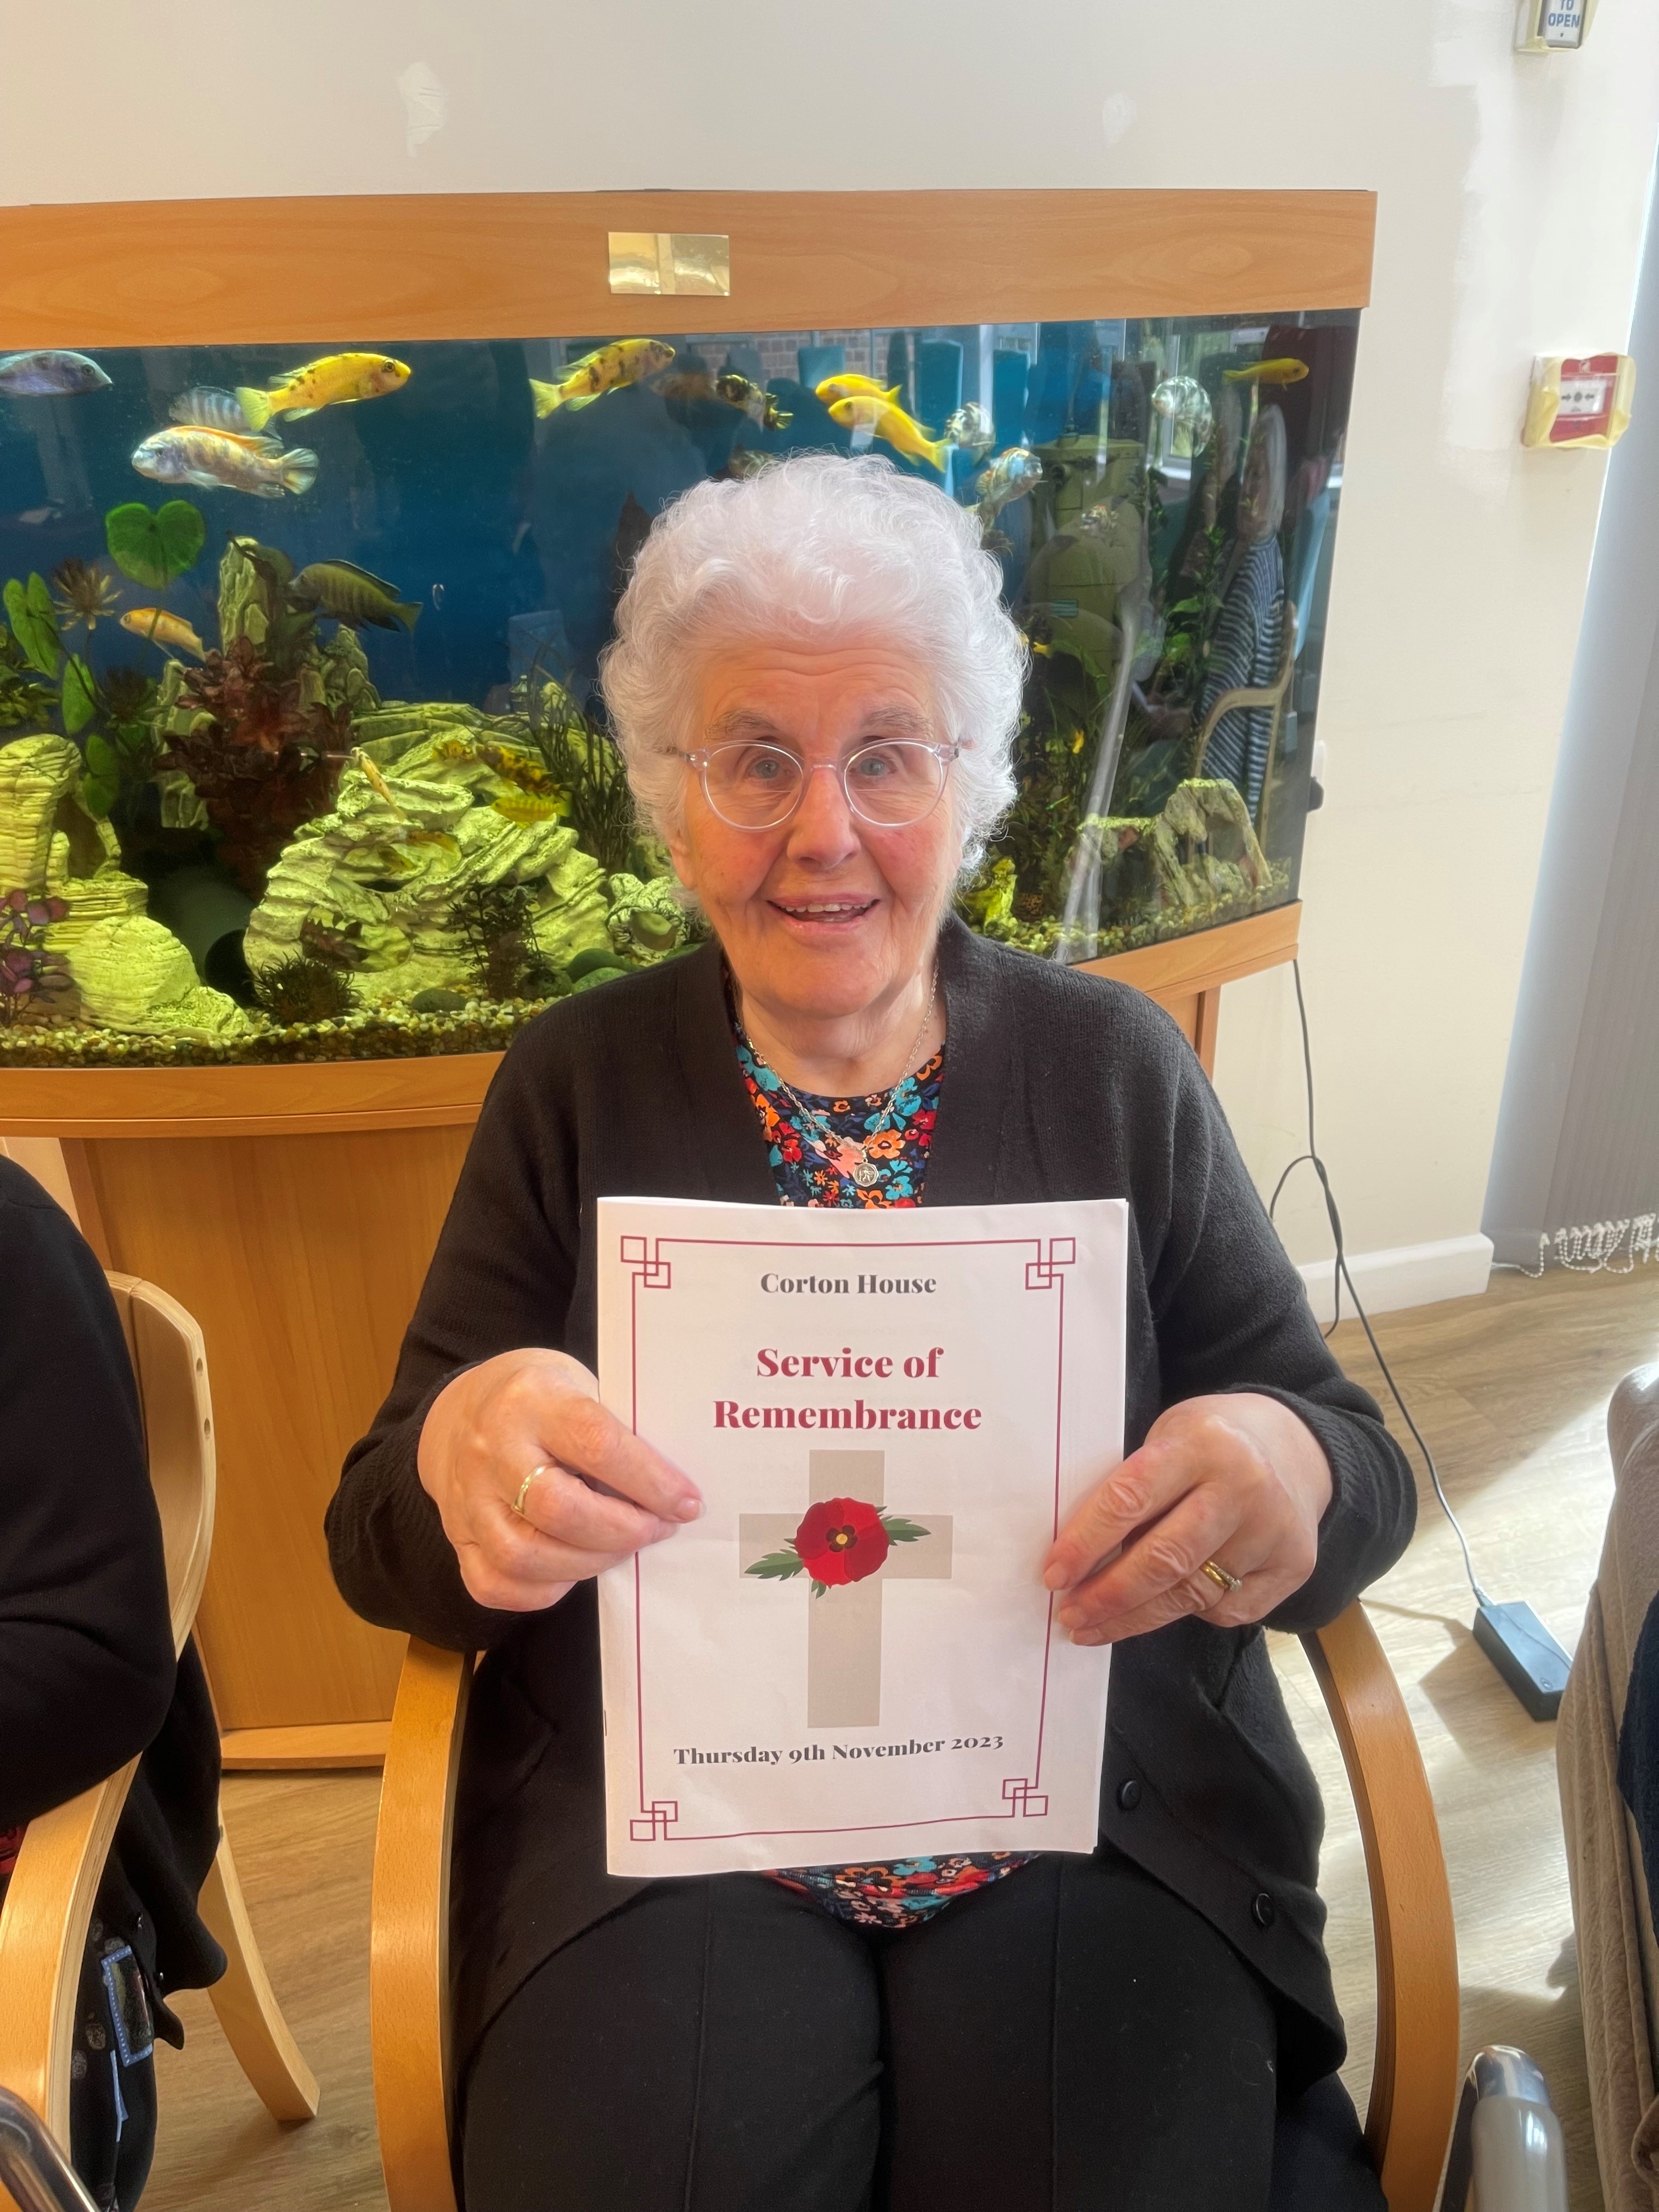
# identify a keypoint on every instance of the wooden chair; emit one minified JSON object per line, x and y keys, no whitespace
{"x":43,"y":1928}
{"x":1414,"y":2082}
{"x":1275,"y":695}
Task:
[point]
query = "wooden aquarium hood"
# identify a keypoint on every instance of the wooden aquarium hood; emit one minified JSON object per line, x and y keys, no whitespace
{"x":519,"y":265}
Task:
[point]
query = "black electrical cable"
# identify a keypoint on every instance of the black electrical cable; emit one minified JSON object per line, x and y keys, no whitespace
{"x":1340,"y":1275}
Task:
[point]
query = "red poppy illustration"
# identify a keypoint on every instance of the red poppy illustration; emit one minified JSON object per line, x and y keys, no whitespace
{"x":840,"y":1541}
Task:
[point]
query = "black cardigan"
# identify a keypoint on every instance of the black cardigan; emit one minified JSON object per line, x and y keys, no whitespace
{"x":87,"y":1674}
{"x":1057,"y":1086}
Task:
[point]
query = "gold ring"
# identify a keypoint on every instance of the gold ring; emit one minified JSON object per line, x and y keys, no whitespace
{"x":524,"y":1490}
{"x":1220,"y":1577}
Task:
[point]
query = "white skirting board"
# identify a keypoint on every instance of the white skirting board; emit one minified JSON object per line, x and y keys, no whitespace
{"x":1408,"y":1275}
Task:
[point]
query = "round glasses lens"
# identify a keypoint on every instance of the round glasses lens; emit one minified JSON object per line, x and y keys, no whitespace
{"x":752,"y":786}
{"x":894,"y":781}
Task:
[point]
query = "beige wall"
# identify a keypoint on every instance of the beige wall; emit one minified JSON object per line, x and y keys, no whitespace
{"x":1512,"y":193}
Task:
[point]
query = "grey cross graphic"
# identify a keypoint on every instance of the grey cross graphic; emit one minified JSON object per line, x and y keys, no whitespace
{"x":843,"y":1632}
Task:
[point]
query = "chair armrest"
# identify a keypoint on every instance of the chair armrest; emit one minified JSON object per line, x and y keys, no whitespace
{"x":1270,"y":695}
{"x":1415,"y":2078}
{"x":1228,"y":703}
{"x":43,"y":1941}
{"x":409,"y":1945}
{"x":169,"y":1361}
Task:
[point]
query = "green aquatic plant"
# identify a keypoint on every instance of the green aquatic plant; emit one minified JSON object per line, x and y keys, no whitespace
{"x":26,"y":703}
{"x":302,"y":989}
{"x":495,"y":922}
{"x":33,"y":643}
{"x":29,"y":975}
{"x":153,"y":546}
{"x":34,"y":623}
{"x":582,"y":758}
{"x":122,"y":752}
{"x":35,"y":627}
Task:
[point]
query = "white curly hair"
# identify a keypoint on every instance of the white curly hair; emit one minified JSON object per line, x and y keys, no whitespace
{"x":818,"y":548}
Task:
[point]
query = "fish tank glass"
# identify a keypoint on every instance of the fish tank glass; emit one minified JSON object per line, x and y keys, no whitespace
{"x":302,"y":754}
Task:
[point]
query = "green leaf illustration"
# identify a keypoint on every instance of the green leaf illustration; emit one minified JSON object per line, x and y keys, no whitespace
{"x":819,"y":1588}
{"x":777,"y":1566}
{"x":154,"y":548}
{"x":80,"y":696}
{"x":32,"y":622}
{"x":903,"y":1532}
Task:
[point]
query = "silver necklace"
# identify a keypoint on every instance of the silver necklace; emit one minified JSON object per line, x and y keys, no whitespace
{"x":850,"y":1156}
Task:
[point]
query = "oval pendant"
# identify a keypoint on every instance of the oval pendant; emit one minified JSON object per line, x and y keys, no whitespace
{"x":866,"y":1174}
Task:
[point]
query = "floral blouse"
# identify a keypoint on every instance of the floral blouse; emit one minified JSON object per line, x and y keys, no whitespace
{"x":910,"y":1890}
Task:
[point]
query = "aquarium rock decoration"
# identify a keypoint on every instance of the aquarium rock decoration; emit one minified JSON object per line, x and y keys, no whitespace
{"x":427,"y":813}
{"x":136,"y":977}
{"x":648,"y":918}
{"x":53,"y":846}
{"x":1193,"y":866}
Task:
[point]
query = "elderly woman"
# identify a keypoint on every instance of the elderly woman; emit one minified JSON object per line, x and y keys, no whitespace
{"x":816,"y":688}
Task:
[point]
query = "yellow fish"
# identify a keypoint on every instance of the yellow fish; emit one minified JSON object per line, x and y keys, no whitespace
{"x":625,"y":361}
{"x":525,"y":806}
{"x":378,"y":784}
{"x":334,"y":381}
{"x":882,"y":419}
{"x":854,"y":387}
{"x":171,"y":632}
{"x":1290,"y":371}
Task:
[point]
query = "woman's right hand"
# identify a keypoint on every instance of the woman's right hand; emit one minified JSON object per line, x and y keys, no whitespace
{"x":596,"y":1493}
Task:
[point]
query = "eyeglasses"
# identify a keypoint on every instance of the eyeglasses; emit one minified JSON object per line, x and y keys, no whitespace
{"x":891,"y":783}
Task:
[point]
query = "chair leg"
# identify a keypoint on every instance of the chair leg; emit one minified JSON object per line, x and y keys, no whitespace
{"x":245,"y":2004}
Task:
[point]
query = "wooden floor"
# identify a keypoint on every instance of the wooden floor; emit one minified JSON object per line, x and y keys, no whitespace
{"x":1511,"y":1390}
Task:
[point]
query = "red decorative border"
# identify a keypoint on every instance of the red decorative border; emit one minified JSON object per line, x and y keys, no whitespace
{"x":655,"y":1822}
{"x":1022,"y":1796}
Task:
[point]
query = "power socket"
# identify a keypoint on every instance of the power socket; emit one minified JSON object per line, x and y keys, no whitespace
{"x":1525,"y":1653}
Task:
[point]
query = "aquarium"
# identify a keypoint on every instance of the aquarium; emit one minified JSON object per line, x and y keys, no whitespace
{"x":302,"y":754}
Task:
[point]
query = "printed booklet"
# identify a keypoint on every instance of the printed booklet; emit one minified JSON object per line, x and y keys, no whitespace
{"x":890,"y":1414}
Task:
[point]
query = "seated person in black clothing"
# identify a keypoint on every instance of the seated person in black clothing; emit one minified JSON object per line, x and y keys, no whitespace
{"x":88,"y":1679}
{"x":816,"y":688}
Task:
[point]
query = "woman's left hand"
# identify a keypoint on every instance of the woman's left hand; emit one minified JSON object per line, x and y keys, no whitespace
{"x":1237,"y":1481}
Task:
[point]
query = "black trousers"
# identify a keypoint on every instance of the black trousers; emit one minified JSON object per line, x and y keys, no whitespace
{"x":1074,"y":2037}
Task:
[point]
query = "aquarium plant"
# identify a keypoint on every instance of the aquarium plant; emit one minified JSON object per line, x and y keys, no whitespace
{"x":261,"y":728}
{"x":303,"y":989}
{"x":29,"y":975}
{"x":582,"y":757}
{"x":154,"y":548}
{"x":497,"y":921}
{"x":69,"y":692}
